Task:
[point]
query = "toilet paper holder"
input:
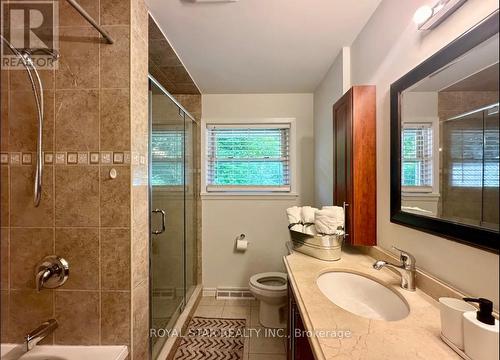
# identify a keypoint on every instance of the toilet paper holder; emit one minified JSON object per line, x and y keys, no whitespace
{"x":240,"y":244}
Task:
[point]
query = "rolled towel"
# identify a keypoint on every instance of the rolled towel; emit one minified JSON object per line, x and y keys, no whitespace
{"x":329,"y":220}
{"x":307,"y":215}
{"x":295,"y":217}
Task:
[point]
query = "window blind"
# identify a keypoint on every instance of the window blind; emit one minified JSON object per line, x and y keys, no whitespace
{"x":248,"y":158}
{"x":471,"y":165}
{"x":167,"y":149}
{"x":416,"y":150}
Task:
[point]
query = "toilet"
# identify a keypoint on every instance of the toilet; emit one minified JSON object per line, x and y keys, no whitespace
{"x":270,"y":289}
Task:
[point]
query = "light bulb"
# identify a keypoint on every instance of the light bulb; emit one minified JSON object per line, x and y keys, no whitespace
{"x":422,"y":14}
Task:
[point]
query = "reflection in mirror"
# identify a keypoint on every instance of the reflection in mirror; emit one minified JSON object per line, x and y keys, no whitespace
{"x":450,"y":141}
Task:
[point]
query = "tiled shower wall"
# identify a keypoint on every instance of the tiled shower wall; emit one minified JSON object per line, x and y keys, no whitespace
{"x":95,"y":120}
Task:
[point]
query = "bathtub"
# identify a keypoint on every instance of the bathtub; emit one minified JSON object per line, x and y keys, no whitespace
{"x":63,"y":352}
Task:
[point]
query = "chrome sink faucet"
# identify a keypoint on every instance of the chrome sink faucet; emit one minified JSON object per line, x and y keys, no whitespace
{"x":40,"y":333}
{"x":406,"y":269}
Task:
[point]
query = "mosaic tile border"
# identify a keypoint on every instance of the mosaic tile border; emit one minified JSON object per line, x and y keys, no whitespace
{"x":74,"y":158}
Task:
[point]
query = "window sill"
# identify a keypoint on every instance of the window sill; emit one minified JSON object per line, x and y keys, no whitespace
{"x":221,"y":195}
{"x":429,"y":195}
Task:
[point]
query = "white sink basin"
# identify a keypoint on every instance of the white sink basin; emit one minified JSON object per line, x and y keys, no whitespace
{"x":60,"y":352}
{"x":362,"y":296}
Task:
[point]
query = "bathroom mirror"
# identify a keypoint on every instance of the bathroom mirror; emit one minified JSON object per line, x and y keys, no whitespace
{"x":445,"y":141}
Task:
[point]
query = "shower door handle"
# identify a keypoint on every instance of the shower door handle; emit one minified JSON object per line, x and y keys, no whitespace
{"x":163,"y":216}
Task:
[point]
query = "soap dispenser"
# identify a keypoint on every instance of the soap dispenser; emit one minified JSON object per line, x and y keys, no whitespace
{"x":481,"y":331}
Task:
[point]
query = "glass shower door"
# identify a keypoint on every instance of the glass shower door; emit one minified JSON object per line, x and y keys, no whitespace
{"x":190,"y":207}
{"x":168,"y":149}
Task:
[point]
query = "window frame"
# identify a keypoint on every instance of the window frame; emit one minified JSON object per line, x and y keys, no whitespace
{"x":233,"y":191}
{"x":433,"y":160}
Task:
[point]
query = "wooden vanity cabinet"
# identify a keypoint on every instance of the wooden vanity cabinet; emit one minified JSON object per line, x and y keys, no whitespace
{"x":354,"y":163}
{"x":298,"y":347}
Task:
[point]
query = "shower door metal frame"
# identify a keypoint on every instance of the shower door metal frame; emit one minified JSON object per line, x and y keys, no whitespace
{"x":153,"y":81}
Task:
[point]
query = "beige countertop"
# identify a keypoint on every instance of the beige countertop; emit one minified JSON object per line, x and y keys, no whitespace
{"x":415,"y":337}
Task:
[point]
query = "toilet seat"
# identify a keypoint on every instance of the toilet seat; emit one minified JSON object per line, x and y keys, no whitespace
{"x":270,"y":281}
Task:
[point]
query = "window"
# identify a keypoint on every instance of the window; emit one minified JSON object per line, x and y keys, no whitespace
{"x":416,"y":155}
{"x":467,"y":166}
{"x":167,"y":147}
{"x":248,"y":157}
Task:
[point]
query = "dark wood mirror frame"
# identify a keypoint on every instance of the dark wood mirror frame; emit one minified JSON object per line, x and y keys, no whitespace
{"x":470,"y":235}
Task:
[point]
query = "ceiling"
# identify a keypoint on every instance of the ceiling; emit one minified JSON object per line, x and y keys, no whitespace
{"x":260,"y":46}
{"x":483,"y":57}
{"x":484,"y":80}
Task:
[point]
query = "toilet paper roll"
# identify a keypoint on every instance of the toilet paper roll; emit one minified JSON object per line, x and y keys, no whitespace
{"x":241,"y":245}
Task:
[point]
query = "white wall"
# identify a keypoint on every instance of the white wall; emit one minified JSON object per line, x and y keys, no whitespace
{"x":335,"y":83}
{"x":388,"y":47}
{"x":262,"y":219}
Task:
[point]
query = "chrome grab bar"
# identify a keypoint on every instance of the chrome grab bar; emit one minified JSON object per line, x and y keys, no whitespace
{"x":345,"y":206}
{"x":163,"y":216}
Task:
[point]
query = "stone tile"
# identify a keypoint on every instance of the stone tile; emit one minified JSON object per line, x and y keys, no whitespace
{"x":115,"y":12}
{"x":4,"y":317}
{"x":78,"y":315}
{"x":115,"y":59}
{"x":68,"y":16}
{"x":22,"y":210}
{"x":236,"y":312}
{"x":140,"y":237}
{"x":77,"y":200}
{"x":266,"y":357}
{"x":240,"y":302}
{"x":115,"y":197}
{"x":140,"y":18}
{"x":77,"y":132}
{"x":23,"y":121}
{"x":79,"y":61}
{"x":28,"y":309}
{"x":4,"y":79}
{"x":4,"y":258}
{"x":115,"y":315}
{"x":27,"y":248}
{"x":209,"y":311}
{"x":154,"y":32}
{"x":115,"y":259}
{"x":211,"y":301}
{"x":19,"y":81}
{"x":162,"y":54}
{"x":115,"y":120}
{"x":266,"y":344}
{"x":4,"y":195}
{"x":141,"y":321}
{"x":4,"y":124}
{"x":177,"y":74}
{"x":80,"y":247}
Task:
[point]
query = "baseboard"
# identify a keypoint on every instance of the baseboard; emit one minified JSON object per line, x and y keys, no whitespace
{"x":209,"y":292}
{"x":228,"y":293}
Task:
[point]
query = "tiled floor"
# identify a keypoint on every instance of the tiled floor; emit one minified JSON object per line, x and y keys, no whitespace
{"x":258,"y":346}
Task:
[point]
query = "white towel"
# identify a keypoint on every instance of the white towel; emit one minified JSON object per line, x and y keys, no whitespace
{"x":294,"y":217}
{"x":307,"y":215}
{"x":329,"y":220}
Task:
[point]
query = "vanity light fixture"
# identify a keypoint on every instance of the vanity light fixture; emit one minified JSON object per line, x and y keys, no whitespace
{"x":427,"y":17}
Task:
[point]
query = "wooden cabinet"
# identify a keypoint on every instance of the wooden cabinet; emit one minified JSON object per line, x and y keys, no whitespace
{"x":298,"y":347}
{"x":354,"y":168}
